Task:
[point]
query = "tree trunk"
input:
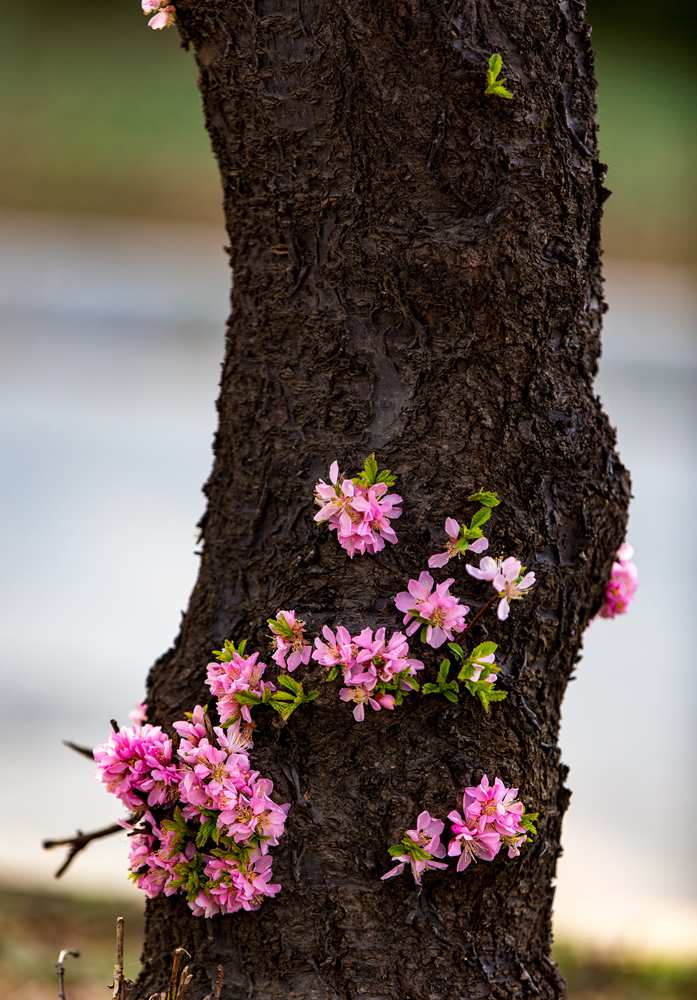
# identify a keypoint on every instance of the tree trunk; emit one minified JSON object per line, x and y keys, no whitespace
{"x":416,"y":272}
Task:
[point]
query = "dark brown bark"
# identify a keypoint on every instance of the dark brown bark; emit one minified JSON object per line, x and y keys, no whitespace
{"x":439,"y":302}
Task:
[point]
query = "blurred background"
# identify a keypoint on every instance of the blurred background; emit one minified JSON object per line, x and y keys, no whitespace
{"x":113,"y":296}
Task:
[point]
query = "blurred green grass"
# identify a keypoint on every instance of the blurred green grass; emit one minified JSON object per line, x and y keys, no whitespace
{"x":102,"y":115}
{"x":34,"y":926}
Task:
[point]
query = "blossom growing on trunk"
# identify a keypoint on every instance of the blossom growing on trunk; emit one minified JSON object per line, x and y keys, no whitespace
{"x":288,"y":641}
{"x":137,"y":765}
{"x":377,"y":670}
{"x":507,"y":577}
{"x":622,"y":585}
{"x":359,"y":509}
{"x":164,"y":17}
{"x":232,"y":680}
{"x":419,"y":848}
{"x":438,"y":611}
{"x":456,"y":545}
{"x":492,"y":818}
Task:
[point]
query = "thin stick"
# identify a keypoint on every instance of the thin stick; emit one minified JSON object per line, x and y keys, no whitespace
{"x":78,"y":843}
{"x":117,"y":984}
{"x":79,"y":748}
{"x":174,"y":977}
{"x":60,"y":969}
{"x":482,"y":611}
{"x":218,"y":987}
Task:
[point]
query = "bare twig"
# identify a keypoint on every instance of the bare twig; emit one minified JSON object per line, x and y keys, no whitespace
{"x":180,"y":978}
{"x":78,"y":843}
{"x":79,"y":748}
{"x":117,"y":984}
{"x":60,"y":969}
{"x":217,"y":985}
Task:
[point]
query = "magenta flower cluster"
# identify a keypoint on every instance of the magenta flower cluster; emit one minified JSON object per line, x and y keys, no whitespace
{"x":492,"y":818}
{"x":202,"y":820}
{"x":622,"y":585}
{"x":359,"y":509}
{"x":376,"y":671}
{"x":163,"y":13}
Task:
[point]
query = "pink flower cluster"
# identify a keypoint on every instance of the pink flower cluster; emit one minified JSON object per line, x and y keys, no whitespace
{"x":290,"y":647}
{"x":233,"y":680}
{"x":164,"y":14}
{"x":138,"y":766}
{"x":221,"y":818}
{"x":507,"y":577}
{"x":624,"y":580}
{"x":359,"y":513}
{"x":492,"y":818}
{"x":436,"y":611}
{"x":376,"y":671}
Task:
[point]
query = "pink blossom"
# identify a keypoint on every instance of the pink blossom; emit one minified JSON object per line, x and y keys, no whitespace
{"x":237,"y":675}
{"x":623,"y":583}
{"x":336,"y":650}
{"x":471,"y":843}
{"x":361,"y":694}
{"x":359,"y":514}
{"x":437,"y":609}
{"x":493,"y":806}
{"x":508,"y":579}
{"x":137,"y":766}
{"x":456,"y":546}
{"x":419,"y":848}
{"x":164,"y":18}
{"x":139,"y":714}
{"x":290,"y":646}
{"x":150,"y":6}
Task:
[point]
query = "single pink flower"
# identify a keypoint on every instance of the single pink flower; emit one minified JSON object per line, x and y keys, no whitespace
{"x":456,"y":546}
{"x":291,"y":648}
{"x":437,"y":610}
{"x":470,"y":843}
{"x":421,"y":846}
{"x":493,"y":806}
{"x":164,"y":18}
{"x":506,"y":577}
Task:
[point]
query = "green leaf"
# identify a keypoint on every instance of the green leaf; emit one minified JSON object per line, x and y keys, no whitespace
{"x":443,"y":671}
{"x":483,"y":649}
{"x":495,"y":64}
{"x":395,"y":850}
{"x":284,"y":708}
{"x":430,"y":688}
{"x":312,"y":695}
{"x":451,"y":696}
{"x":333,"y":674}
{"x":485,"y":497}
{"x":281,"y":696}
{"x":288,"y":682}
{"x":247,"y":698}
{"x":481,"y":517}
{"x":370,"y":468}
{"x":457,"y":649}
{"x":423,"y":634}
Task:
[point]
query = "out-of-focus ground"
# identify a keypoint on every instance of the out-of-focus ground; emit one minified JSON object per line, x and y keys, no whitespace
{"x":33,"y":928}
{"x":113,"y":293}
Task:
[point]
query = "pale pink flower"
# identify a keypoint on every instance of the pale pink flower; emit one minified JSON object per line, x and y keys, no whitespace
{"x":336,"y":650}
{"x":137,"y":766}
{"x":164,"y":18}
{"x":362,"y":695}
{"x":231,"y":677}
{"x":360,"y":515}
{"x":426,"y":839}
{"x":288,"y":641}
{"x":438,"y":610}
{"x":139,"y":714}
{"x":493,"y":806}
{"x":470,"y":843}
{"x":456,"y":546}
{"x":506,"y":577}
{"x":150,"y":6}
{"x":623,"y":583}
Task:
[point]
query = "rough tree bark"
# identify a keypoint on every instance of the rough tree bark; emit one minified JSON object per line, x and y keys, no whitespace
{"x":416,"y":272}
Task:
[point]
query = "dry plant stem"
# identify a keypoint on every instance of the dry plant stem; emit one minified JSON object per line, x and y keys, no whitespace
{"x":118,"y":985}
{"x":80,"y":749}
{"x":78,"y":843}
{"x":60,"y":969}
{"x":482,"y":611}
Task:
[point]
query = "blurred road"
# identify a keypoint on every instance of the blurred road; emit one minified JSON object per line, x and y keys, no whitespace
{"x":110,"y":344}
